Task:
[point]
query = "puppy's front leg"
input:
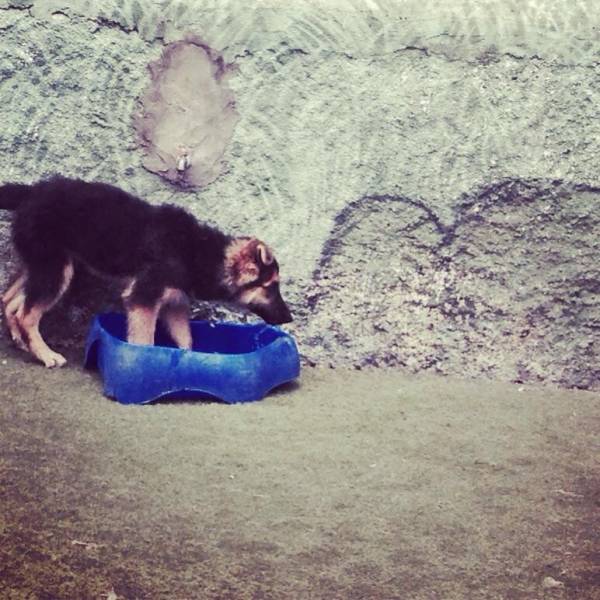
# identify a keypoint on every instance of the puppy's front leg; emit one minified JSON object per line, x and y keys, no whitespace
{"x":142,"y":299}
{"x":177,"y":320}
{"x":141,"y":324}
{"x":176,"y":316}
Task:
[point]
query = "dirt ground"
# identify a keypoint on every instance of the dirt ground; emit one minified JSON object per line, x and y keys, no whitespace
{"x":349,"y":484}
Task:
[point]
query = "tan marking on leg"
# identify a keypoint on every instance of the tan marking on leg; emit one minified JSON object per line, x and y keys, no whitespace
{"x":13,"y":312}
{"x":176,"y":316}
{"x":141,"y":324}
{"x":68,"y":272}
{"x":13,"y":301}
{"x":29,"y":323}
{"x":174,"y":296}
{"x":37,"y":346}
{"x":16,"y":287}
{"x":128,"y":289}
{"x":177,"y":321}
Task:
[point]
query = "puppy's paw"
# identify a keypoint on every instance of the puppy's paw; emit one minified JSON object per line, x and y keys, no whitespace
{"x":52,"y":359}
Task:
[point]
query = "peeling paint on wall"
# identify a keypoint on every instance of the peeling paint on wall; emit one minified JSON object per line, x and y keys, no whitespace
{"x":187,"y":114}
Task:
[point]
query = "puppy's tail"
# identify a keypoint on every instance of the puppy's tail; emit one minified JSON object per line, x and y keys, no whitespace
{"x":12,"y":194}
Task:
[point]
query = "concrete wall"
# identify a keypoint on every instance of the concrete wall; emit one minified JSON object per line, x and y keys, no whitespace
{"x":426,"y":171}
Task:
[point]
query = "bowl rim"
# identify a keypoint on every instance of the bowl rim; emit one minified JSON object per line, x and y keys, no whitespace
{"x":260,"y":327}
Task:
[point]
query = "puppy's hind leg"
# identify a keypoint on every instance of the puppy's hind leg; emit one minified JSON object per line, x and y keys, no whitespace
{"x":13,"y":304}
{"x":43,"y":289}
{"x":37,"y":345}
{"x":16,"y":287}
{"x":13,"y":312}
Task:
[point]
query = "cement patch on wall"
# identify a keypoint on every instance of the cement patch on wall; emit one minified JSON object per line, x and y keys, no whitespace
{"x":187,"y":116}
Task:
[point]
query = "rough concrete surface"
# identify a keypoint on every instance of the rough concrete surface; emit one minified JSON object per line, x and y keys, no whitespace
{"x":345,"y":102}
{"x":349,"y":485}
{"x":508,"y":290}
{"x":340,"y":103}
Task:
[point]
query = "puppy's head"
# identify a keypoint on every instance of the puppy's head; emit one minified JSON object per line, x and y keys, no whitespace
{"x":251,"y":275}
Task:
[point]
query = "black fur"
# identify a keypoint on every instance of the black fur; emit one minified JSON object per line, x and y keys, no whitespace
{"x":12,"y":194}
{"x":114,"y":233}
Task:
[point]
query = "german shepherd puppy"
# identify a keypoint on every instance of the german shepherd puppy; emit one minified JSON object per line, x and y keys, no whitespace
{"x":161,"y":254}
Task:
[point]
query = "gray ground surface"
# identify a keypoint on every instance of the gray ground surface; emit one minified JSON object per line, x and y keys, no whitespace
{"x":352,"y":484}
{"x":445,"y":109}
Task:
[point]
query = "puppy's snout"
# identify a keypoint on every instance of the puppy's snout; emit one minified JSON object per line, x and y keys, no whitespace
{"x":275,"y":313}
{"x":284,"y":316}
{"x":278,"y":316}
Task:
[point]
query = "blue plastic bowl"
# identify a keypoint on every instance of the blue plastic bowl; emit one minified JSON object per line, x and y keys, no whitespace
{"x":229,"y":361}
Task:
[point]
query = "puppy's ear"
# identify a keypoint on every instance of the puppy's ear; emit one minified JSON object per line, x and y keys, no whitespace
{"x":264,"y":255}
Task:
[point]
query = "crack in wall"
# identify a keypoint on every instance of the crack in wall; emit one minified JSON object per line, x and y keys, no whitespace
{"x":20,"y":6}
{"x":114,"y":24}
{"x":150,"y":25}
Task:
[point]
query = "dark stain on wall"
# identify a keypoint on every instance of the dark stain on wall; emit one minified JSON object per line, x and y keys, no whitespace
{"x":508,"y":290}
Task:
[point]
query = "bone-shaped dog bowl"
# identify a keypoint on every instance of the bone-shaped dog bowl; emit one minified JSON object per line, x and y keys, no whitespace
{"x":229,"y":361}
